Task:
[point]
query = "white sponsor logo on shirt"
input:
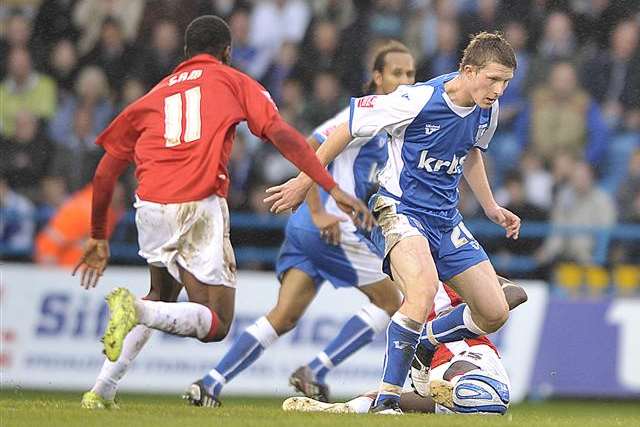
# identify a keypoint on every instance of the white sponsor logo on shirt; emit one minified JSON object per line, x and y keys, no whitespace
{"x":431,"y":128}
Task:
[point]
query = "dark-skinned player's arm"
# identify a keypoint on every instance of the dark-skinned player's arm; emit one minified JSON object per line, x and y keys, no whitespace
{"x":264,"y":121}
{"x":284,"y":195}
{"x":118,"y":140}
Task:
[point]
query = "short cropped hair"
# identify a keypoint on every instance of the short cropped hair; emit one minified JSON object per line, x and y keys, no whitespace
{"x":487,"y":47}
{"x":207,"y":34}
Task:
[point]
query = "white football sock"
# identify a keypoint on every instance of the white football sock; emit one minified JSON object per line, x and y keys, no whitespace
{"x":187,"y":319}
{"x":112,"y":372}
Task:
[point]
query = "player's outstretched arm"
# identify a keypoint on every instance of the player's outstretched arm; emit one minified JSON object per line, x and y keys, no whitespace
{"x":96,"y":253}
{"x":285,"y":196}
{"x":476,"y":176}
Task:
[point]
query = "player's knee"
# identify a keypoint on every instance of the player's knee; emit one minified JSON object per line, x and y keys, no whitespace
{"x":494,"y":320}
{"x":222,"y":330}
{"x":284,"y":324}
{"x":389,"y":300}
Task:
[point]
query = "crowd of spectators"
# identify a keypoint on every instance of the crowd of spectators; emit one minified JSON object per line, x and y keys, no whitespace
{"x":567,"y":148}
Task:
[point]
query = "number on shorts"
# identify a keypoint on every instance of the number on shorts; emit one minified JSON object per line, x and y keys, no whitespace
{"x":461,"y":235}
{"x":173,"y":132}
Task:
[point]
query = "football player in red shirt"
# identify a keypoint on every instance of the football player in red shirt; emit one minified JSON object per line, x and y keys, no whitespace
{"x":179,"y":135}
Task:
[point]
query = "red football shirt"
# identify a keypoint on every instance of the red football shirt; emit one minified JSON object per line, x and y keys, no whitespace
{"x":180,"y":133}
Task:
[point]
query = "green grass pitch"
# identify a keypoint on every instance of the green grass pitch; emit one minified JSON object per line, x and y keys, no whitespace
{"x":34,"y":408}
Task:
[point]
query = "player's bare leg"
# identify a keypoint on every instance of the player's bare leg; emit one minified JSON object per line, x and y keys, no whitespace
{"x":358,"y":331}
{"x":206,"y":317}
{"x":485,"y":310}
{"x":297,"y":290}
{"x":102,"y":395}
{"x":415,"y":272}
{"x":514,"y":295}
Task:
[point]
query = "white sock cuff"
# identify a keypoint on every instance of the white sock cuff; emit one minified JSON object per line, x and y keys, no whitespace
{"x":263,"y":332}
{"x":375,"y":317}
{"x":407,"y":322}
{"x":325,"y":360}
{"x":217,"y":376}
{"x":469,"y":323}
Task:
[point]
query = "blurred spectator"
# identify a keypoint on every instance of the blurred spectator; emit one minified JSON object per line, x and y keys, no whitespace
{"x":513,"y":196}
{"x":580,"y":204}
{"x":92,"y":95}
{"x":514,"y":98}
{"x":561,"y":116}
{"x":629,"y":192}
{"x":132,"y":89}
{"x":243,"y":171}
{"x":243,"y":54}
{"x":24,"y":89}
{"x":78,"y":158}
{"x":90,"y":16}
{"x":341,"y":12}
{"x":538,"y":182}
{"x":53,"y":22}
{"x":162,"y":56}
{"x":293,"y":103}
{"x":180,"y":12}
{"x":112,"y":53}
{"x":427,"y":24}
{"x":17,"y":34}
{"x":26,"y":155}
{"x":446,"y":56}
{"x":17,"y":221}
{"x":388,"y":19}
{"x":280,"y":70}
{"x":63,"y":66}
{"x":321,"y":55}
{"x":468,"y":204}
{"x":558,"y":43}
{"x":483,"y":18}
{"x":53,"y":193}
{"x":612,"y":75}
{"x":61,"y":242}
{"x":272,"y":23}
{"x":596,"y":18}
{"x":325,"y":99}
{"x":628,"y":250}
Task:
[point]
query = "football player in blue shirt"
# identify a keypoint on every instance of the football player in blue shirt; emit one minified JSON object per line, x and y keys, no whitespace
{"x":435,"y":128}
{"x":321,"y":245}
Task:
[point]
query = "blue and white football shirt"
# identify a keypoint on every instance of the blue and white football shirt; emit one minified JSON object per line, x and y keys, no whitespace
{"x":355,"y":169}
{"x":355,"y":261}
{"x":430,"y":139}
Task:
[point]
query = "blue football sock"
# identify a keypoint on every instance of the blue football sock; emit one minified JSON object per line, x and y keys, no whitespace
{"x":354,"y":335}
{"x":245,"y":350}
{"x":357,"y":332}
{"x":402,"y":338}
{"x":454,"y":326}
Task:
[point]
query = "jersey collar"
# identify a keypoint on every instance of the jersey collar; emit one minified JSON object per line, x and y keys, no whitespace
{"x":460,"y":111}
{"x":203,"y":57}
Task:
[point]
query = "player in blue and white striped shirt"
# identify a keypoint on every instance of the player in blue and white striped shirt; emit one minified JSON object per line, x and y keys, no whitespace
{"x":435,"y":127}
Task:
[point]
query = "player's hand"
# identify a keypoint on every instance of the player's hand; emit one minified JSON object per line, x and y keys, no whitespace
{"x":506,"y":219}
{"x":289,"y":195}
{"x":357,"y":211}
{"x":329,"y":226}
{"x":93,"y":262}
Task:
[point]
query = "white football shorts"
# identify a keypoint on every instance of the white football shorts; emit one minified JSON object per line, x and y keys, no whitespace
{"x":194,"y":235}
